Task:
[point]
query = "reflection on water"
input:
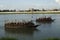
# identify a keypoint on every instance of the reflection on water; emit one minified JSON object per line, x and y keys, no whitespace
{"x":45,"y":30}
{"x":25,"y":31}
{"x":20,"y":33}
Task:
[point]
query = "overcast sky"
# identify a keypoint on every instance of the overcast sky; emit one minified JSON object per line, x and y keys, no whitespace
{"x":26,"y":4}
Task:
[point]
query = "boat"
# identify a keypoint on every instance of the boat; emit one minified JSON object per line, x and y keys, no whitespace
{"x":22,"y":25}
{"x":45,"y":20}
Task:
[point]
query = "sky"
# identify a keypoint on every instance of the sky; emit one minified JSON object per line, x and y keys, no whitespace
{"x":26,"y":4}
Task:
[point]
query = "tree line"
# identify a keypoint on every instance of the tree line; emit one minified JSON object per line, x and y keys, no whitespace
{"x":29,"y":10}
{"x":7,"y":10}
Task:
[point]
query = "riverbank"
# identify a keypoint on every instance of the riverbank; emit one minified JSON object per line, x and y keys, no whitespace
{"x":37,"y":12}
{"x":7,"y":38}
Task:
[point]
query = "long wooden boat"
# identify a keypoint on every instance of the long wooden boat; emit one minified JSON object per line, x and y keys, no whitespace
{"x":24,"y":25}
{"x":45,"y":20}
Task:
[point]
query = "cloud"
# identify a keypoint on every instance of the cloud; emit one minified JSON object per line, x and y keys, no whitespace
{"x":58,"y":1}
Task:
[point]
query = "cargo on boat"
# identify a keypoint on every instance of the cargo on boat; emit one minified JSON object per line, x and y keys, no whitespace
{"x":45,"y":20}
{"x":24,"y":25}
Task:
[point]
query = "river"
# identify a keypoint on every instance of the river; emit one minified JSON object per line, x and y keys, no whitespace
{"x":45,"y":30}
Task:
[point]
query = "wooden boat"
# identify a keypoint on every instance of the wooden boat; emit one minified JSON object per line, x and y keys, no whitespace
{"x":24,"y":25}
{"x":45,"y":20}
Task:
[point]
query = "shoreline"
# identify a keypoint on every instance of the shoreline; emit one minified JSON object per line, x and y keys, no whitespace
{"x":37,"y":12}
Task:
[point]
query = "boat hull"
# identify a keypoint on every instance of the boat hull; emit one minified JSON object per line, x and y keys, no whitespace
{"x":8,"y":26}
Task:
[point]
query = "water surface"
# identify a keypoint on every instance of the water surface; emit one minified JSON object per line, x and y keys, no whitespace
{"x":45,"y":30}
